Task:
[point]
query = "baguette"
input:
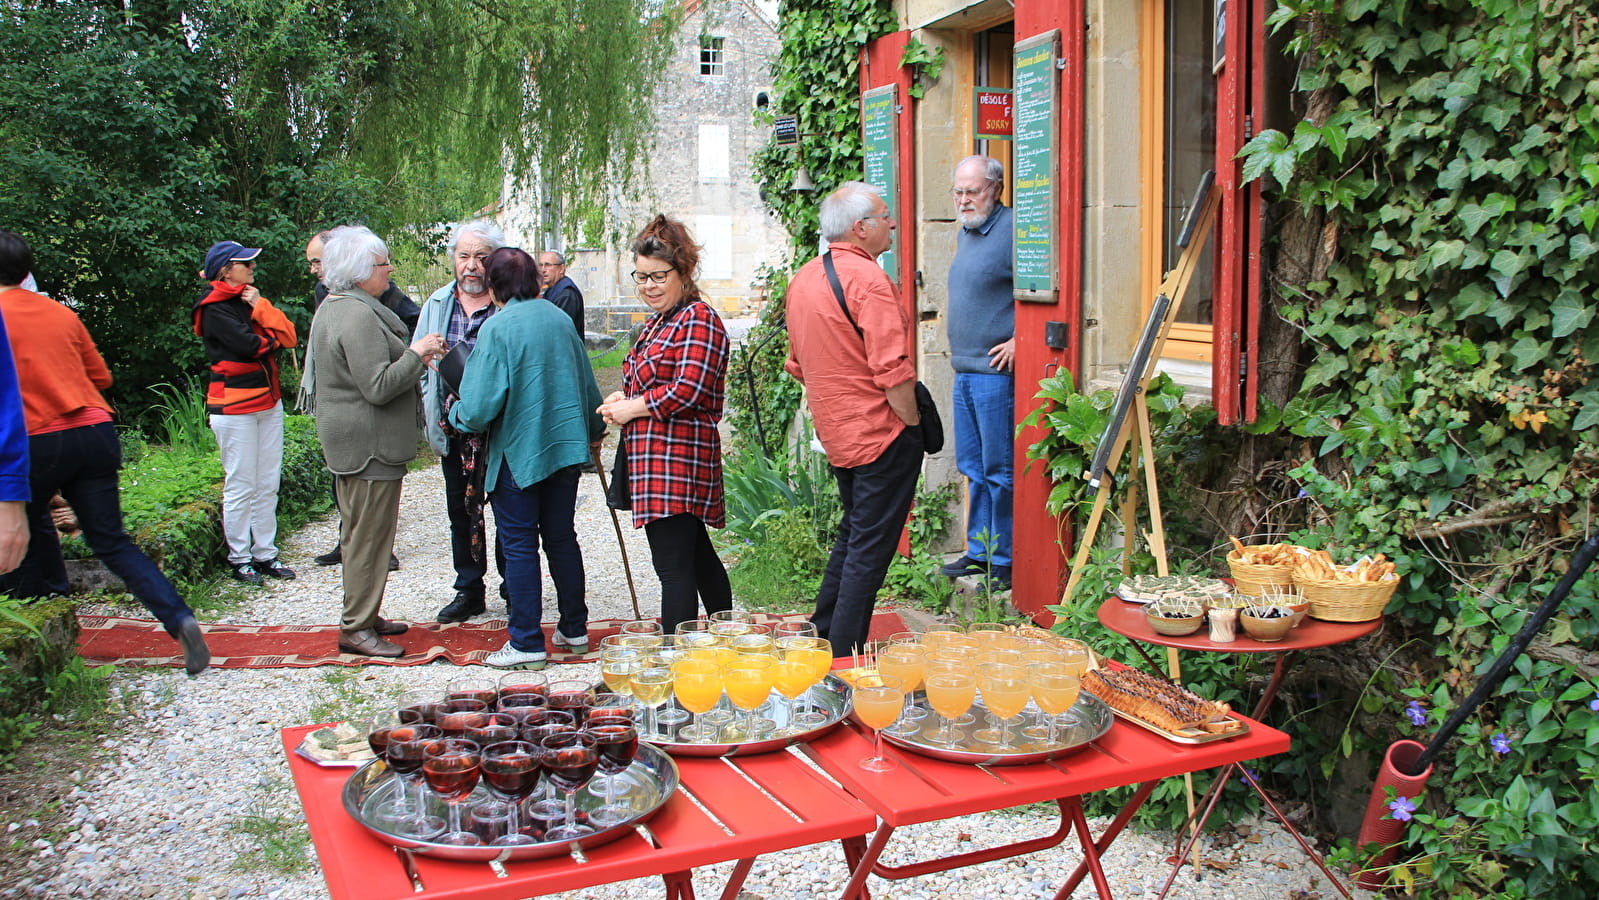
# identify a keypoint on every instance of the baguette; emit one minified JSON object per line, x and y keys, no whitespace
{"x":1165,"y":705}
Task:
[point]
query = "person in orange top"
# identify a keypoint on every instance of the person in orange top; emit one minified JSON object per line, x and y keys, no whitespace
{"x":243,"y":333}
{"x":74,"y":450}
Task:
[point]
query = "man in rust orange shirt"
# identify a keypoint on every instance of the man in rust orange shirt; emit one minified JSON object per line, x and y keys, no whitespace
{"x":850,"y":345}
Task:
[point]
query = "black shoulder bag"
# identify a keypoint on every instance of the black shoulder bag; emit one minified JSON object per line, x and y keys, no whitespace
{"x":932,"y":426}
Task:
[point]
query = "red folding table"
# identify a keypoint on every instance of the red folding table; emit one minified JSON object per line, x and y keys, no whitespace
{"x":747,"y":806}
{"x":923,"y":789}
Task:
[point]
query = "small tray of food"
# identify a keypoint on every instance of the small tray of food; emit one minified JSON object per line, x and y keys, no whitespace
{"x":372,"y":791}
{"x":339,"y":744}
{"x":1167,"y":709}
{"x":1029,"y":739}
{"x":1201,"y":589}
{"x":829,"y":700}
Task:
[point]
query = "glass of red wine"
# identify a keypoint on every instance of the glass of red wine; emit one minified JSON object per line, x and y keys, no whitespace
{"x":407,"y":745}
{"x":484,"y":689}
{"x":570,"y":760}
{"x":494,"y":727}
{"x":544,"y":723}
{"x":461,"y":714}
{"x":518,"y":705}
{"x":523,"y":681}
{"x":511,"y":772}
{"x":571,"y":697}
{"x":617,"y":743}
{"x":452,"y":767}
{"x":420,"y":707}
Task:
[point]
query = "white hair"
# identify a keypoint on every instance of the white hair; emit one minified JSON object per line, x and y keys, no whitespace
{"x":993,"y":169}
{"x":348,"y":255}
{"x":487,"y":232}
{"x":844,"y":207}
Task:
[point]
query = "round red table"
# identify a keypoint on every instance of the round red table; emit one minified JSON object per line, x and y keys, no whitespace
{"x":1128,"y":619}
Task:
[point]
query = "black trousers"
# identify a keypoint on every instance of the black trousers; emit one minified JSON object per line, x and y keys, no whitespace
{"x":468,"y":542}
{"x":690,"y":571}
{"x":877,"y":498}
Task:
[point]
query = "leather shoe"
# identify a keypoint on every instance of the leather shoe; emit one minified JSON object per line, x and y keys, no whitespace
{"x":394,"y":563}
{"x":196,"y":655}
{"x":332,"y":557}
{"x":465,"y":605}
{"x":387,"y":627}
{"x":365,"y":642}
{"x":964,"y":566}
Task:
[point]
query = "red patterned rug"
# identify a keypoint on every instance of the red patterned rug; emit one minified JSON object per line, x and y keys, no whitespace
{"x":109,"y":640}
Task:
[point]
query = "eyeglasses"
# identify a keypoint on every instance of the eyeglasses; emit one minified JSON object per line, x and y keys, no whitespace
{"x":963,"y":193}
{"x":244,"y":262}
{"x":383,"y":263}
{"x":882,"y":216}
{"x":658,"y":277}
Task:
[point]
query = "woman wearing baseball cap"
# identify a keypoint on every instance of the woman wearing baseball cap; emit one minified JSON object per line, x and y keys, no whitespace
{"x":243,"y":333}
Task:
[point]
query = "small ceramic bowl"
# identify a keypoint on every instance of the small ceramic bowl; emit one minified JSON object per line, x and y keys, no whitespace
{"x":1175,"y":618}
{"x":1267,"y":623}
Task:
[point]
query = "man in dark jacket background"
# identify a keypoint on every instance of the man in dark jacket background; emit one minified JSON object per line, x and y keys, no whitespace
{"x":561,"y":290}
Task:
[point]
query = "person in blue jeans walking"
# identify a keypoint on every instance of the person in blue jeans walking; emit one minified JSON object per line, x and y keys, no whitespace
{"x":530,"y":388}
{"x":74,"y":450}
{"x":982,"y":350}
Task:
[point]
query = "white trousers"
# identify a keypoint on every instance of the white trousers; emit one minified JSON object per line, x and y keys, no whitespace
{"x":252,"y":463}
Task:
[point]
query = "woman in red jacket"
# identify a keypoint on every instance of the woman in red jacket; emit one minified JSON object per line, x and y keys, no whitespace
{"x":74,"y":450}
{"x":673,"y":379}
{"x":243,"y":333}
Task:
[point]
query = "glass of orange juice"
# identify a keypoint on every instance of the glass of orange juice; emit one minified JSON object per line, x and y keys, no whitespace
{"x":907,"y":662}
{"x":950,"y":690}
{"x":817,"y":654}
{"x":1055,"y":688}
{"x":697,"y":682}
{"x":792,"y":677}
{"x":1005,"y":693}
{"x":748,"y":683}
{"x":878,"y":699}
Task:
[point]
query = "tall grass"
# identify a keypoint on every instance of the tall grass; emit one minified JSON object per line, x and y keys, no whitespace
{"x":185,"y":425}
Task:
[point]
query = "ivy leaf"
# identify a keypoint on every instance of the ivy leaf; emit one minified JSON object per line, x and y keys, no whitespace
{"x":1568,"y":315}
{"x":1462,"y":354}
{"x":1529,"y":352}
{"x":1269,"y":150}
{"x":1587,"y":401}
{"x":1581,"y":245}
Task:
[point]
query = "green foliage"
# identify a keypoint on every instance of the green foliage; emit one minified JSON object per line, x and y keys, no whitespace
{"x":185,"y":424}
{"x":41,"y":675}
{"x":915,"y":579}
{"x":133,"y":136}
{"x":782,"y":516}
{"x":927,"y":64}
{"x":1449,"y":404}
{"x":817,"y":78}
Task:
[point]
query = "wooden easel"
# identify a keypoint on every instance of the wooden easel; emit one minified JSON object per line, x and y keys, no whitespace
{"x":1134,"y":429}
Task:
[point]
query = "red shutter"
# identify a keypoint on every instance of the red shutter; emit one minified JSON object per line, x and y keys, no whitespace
{"x":1240,"y":101}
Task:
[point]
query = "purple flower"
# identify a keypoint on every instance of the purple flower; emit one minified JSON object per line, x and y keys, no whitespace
{"x":1248,"y":776}
{"x":1303,"y":493}
{"x":1401,"y":808}
{"x":1594,"y":703}
{"x":1500,"y":743}
{"x":1416,"y":712}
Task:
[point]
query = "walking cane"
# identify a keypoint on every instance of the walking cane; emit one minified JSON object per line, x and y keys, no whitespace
{"x":617,"y":526}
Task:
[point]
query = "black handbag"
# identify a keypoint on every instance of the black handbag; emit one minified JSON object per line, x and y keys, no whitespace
{"x":932,"y":426}
{"x":619,"y":493}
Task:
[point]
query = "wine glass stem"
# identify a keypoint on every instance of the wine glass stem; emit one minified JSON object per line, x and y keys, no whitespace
{"x":649,"y":720}
{"x":610,"y":788}
{"x":513,"y":822}
{"x":877,"y":753}
{"x":455,"y":816}
{"x":1004,"y":732}
{"x":571,"y":813}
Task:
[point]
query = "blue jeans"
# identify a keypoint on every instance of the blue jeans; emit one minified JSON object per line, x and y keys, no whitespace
{"x":985,"y":435}
{"x":524,"y":515}
{"x":876,"y":498}
{"x":82,"y":463}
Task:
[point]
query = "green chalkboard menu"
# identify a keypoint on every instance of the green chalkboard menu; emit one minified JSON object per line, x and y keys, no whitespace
{"x":1034,"y":170}
{"x":880,"y":132}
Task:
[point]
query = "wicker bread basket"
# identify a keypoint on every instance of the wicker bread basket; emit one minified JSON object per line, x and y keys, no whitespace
{"x":1255,"y":581}
{"x":1347,"y":601}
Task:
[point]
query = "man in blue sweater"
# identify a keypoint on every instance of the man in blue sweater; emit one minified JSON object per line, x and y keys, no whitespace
{"x":982,"y":349}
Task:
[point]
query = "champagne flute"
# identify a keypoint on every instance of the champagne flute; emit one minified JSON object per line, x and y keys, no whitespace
{"x":950,"y":690}
{"x":907,"y":662}
{"x":511,"y":772}
{"x":651,"y":684}
{"x":617,"y":745}
{"x":878,"y":700}
{"x":1055,"y":689}
{"x":697,"y":682}
{"x":748,"y":683}
{"x":452,"y":767}
{"x":570,"y":760}
{"x":1005,"y":693}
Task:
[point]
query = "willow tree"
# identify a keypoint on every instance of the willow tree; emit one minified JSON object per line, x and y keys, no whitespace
{"x":134,"y":133}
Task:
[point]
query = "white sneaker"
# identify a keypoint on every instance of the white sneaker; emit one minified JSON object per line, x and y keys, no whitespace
{"x":572,"y":645}
{"x":508,"y":657}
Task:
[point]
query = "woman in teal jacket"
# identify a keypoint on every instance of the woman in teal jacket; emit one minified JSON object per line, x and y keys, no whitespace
{"x":530,"y":388}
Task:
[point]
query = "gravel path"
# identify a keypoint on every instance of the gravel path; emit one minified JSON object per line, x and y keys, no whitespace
{"x":194,"y":782}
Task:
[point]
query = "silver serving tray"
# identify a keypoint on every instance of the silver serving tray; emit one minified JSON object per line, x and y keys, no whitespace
{"x":647,"y":785}
{"x":831,"y":698}
{"x":1094,"y":719}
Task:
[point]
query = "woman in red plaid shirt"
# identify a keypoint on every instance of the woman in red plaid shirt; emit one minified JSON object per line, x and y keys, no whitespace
{"x":669,"y":407}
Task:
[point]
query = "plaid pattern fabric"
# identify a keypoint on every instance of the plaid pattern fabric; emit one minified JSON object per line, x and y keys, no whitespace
{"x":674,"y":455}
{"x":463,"y":326}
